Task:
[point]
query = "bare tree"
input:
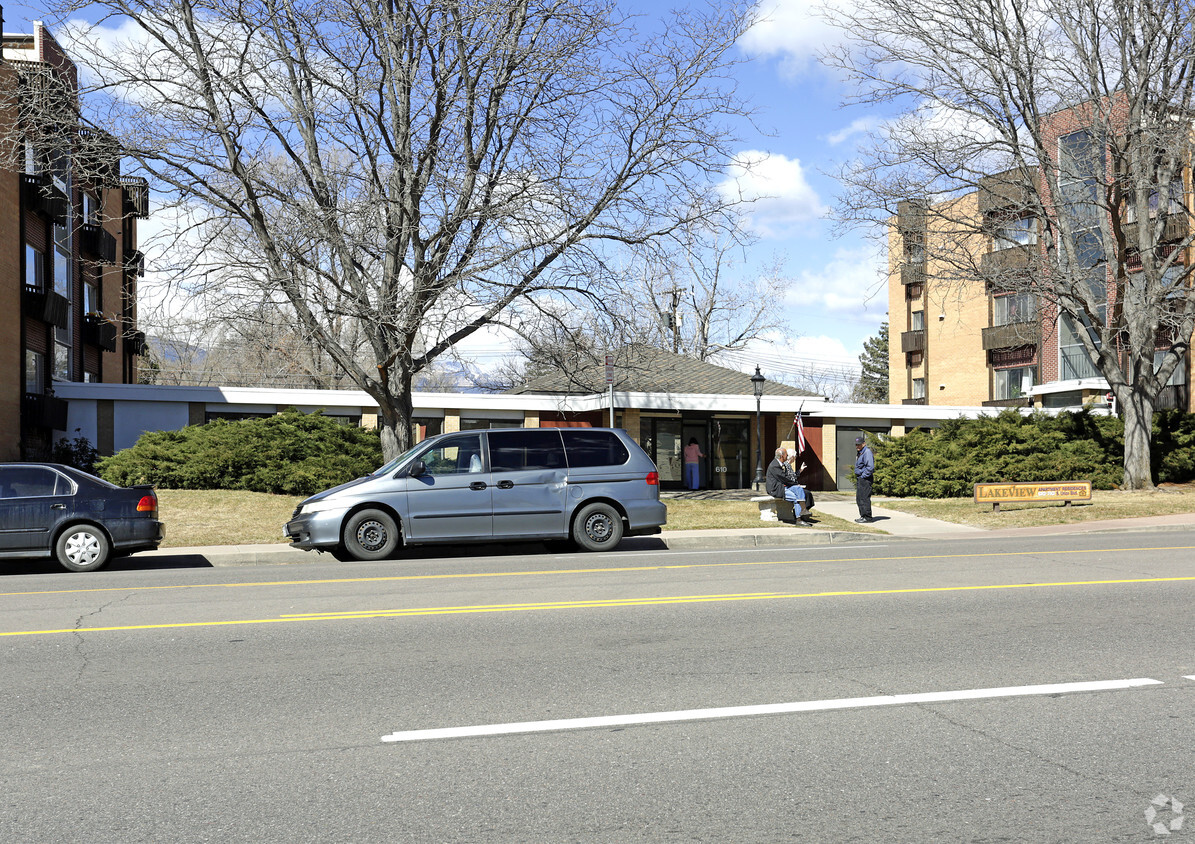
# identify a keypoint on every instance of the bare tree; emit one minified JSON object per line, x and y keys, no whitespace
{"x":419,"y":167}
{"x":1074,"y":115}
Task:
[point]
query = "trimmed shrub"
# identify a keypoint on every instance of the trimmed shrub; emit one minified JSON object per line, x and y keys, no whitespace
{"x":949,"y":461}
{"x":292,"y":453}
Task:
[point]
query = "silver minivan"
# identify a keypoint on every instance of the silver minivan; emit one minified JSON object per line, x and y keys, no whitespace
{"x":591,"y":485}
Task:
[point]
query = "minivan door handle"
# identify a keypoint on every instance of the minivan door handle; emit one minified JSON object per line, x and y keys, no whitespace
{"x":477,"y":485}
{"x":506,"y":484}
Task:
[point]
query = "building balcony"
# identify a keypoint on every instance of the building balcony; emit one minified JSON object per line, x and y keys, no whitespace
{"x":134,"y":262}
{"x":42,"y":411}
{"x":1019,"y":401}
{"x":99,"y":332}
{"x":1011,"y":190}
{"x":911,"y":216}
{"x":1009,"y":259}
{"x":912,"y":341}
{"x":1173,"y":397}
{"x":912,"y":274}
{"x":40,"y":194}
{"x":45,"y":305}
{"x":922,"y":400}
{"x":1011,"y":335}
{"x":97,"y":157}
{"x":134,"y":343}
{"x":96,"y":242}
{"x":136,"y":197}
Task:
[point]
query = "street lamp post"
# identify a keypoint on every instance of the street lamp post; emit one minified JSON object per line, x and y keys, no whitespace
{"x":757,"y":381}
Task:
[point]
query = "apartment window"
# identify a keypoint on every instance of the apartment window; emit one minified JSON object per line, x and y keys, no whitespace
{"x":62,"y":359}
{"x":1073,"y":362}
{"x":1009,"y":308}
{"x":917,"y":321}
{"x":1179,"y":376}
{"x":35,"y":372}
{"x":35,"y":267}
{"x":91,"y":209}
{"x":918,"y":388}
{"x":1013,"y":383}
{"x":1081,"y":167}
{"x":91,"y":297}
{"x":1019,"y":232}
{"x":31,"y":166}
{"x":1174,"y":206}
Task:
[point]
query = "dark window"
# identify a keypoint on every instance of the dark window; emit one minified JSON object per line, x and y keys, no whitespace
{"x":593,"y":448}
{"x":511,"y":451}
{"x":31,"y":481}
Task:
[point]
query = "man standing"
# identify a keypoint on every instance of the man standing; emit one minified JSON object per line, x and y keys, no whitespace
{"x":865,"y":467}
{"x":783,"y":483}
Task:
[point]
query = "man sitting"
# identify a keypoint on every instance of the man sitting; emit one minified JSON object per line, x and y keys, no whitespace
{"x":782,"y":482}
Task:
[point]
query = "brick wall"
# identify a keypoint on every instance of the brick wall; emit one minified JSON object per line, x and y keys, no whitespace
{"x":11,"y":281}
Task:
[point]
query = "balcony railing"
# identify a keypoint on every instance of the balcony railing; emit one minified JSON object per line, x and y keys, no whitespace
{"x":1010,"y":259}
{"x":134,"y":262}
{"x":94,"y":241}
{"x":97,"y":157}
{"x":912,"y":341}
{"x":912,"y":273}
{"x":39,"y":193}
{"x":1173,"y":397}
{"x":42,"y":411}
{"x":99,"y":332}
{"x":45,"y":305}
{"x":922,"y":400}
{"x":911,"y":216}
{"x":1011,"y":189}
{"x":136,"y":197}
{"x":1011,"y":335}
{"x":134,"y":343}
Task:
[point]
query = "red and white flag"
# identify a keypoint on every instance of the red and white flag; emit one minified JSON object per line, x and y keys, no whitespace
{"x":800,"y":433}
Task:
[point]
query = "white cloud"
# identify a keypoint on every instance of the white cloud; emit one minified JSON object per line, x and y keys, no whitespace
{"x":861,"y":126}
{"x":854,"y":280}
{"x":793,"y":30}
{"x":782,"y":197}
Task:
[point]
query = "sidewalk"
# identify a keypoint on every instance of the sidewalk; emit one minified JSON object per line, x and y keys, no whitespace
{"x":893,"y":523}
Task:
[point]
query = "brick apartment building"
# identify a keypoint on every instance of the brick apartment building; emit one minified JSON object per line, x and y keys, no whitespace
{"x":68,"y":247}
{"x":960,"y":338}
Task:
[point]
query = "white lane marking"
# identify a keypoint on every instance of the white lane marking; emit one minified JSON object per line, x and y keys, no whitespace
{"x":1189,"y":676}
{"x":765,"y":709}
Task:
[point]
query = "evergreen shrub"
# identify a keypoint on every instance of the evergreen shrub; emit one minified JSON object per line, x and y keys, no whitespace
{"x":949,"y":461}
{"x":292,"y":453}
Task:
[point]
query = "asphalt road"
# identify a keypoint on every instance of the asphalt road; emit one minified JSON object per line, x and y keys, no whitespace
{"x":253,"y":704}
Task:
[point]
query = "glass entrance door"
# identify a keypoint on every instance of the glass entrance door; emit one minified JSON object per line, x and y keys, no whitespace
{"x":730,"y":453}
{"x":666,"y":445}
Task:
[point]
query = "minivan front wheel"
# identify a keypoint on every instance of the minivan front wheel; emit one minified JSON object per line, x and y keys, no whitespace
{"x":598,"y":527}
{"x":370,"y":535}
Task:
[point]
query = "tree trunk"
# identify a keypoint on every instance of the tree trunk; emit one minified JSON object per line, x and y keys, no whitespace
{"x":394,"y":417}
{"x":1138,"y":414}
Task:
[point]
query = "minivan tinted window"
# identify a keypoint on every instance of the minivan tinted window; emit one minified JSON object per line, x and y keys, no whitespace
{"x":512,"y":451}
{"x":593,"y":448}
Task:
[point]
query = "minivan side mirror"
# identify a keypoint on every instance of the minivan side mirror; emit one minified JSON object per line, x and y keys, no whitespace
{"x":417,"y":468}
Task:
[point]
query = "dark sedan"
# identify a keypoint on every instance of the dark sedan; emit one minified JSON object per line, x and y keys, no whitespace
{"x":48,"y":510}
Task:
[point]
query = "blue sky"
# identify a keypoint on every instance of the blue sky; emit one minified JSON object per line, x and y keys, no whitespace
{"x":837,"y":298}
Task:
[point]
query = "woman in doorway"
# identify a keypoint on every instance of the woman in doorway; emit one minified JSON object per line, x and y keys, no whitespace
{"x":693,"y":456}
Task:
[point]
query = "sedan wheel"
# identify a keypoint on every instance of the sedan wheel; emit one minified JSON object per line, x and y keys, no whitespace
{"x":370,"y":535}
{"x":82,"y":548}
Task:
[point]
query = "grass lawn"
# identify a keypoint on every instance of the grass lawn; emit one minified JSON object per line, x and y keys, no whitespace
{"x":1104,"y":504}
{"x":227,"y":517}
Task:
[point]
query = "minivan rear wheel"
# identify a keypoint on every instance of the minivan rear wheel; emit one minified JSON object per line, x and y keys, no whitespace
{"x":370,"y":535}
{"x":598,"y":527}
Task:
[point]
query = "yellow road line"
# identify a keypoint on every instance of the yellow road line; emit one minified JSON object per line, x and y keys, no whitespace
{"x":612,"y":570}
{"x":353,"y":615}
